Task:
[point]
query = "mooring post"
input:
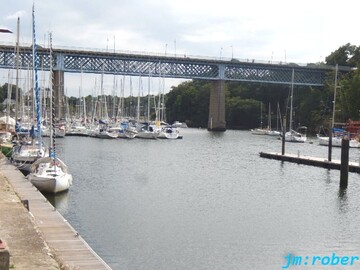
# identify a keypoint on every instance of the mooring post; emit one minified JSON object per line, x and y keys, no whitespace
{"x":283,"y":137}
{"x":344,"y":167}
{"x":4,"y":256}
{"x":330,"y":145}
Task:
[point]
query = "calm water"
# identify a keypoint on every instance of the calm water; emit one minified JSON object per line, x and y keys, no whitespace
{"x":207,"y":201}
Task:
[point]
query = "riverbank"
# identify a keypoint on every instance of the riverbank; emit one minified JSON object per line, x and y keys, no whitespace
{"x":39,"y":238}
{"x":28,"y":249}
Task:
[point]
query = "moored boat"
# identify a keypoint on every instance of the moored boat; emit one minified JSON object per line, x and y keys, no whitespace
{"x":294,"y":136}
{"x":50,"y":175}
{"x":336,"y":139}
{"x":168,"y":132}
{"x":148,"y":131}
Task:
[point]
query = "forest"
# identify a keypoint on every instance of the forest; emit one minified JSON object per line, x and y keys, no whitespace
{"x":248,"y":103}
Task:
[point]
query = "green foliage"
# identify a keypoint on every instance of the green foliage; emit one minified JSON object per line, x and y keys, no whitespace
{"x":242,"y":113}
{"x":312,"y":106}
{"x":346,"y":55}
{"x":349,"y":97}
{"x":189,"y":102}
{"x":4,"y":94}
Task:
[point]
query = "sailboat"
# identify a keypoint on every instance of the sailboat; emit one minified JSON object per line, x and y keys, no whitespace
{"x":27,"y":151}
{"x":292,"y":135}
{"x":146,"y":130}
{"x":260,"y":130}
{"x":102,"y":129}
{"x":337,"y":134}
{"x":270,"y":131}
{"x":50,"y":174}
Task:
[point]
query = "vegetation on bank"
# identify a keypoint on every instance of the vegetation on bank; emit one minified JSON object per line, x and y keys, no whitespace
{"x":312,"y":105}
{"x":189,"y":101}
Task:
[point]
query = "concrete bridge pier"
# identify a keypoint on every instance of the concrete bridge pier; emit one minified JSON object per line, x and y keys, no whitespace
{"x":216,"y":121}
{"x":58,"y":86}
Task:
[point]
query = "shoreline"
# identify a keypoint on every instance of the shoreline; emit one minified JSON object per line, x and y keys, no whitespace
{"x":39,"y":238}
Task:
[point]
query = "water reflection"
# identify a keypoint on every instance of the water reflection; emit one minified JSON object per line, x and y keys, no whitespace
{"x":327,"y":176}
{"x":59,"y":201}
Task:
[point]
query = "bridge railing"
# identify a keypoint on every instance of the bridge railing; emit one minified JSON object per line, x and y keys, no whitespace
{"x":176,"y":56}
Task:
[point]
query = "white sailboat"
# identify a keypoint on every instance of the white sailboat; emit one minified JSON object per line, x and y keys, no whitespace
{"x":28,"y":151}
{"x":270,"y":131}
{"x":147,"y":131}
{"x":260,"y":130}
{"x":292,"y":135}
{"x":168,"y":131}
{"x":50,"y":174}
{"x":102,"y":131}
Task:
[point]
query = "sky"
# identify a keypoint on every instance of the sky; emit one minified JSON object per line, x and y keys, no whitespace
{"x":278,"y":30}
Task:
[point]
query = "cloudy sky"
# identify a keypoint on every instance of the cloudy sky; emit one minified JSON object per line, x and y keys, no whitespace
{"x":279,"y":30}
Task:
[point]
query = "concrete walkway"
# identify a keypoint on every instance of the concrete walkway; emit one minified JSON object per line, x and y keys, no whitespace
{"x":40,"y":238}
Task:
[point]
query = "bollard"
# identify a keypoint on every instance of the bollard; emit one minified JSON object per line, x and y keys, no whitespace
{"x":344,"y":166}
{"x":283,"y":137}
{"x":26,"y":204}
{"x":330,"y":145}
{"x":4,"y":256}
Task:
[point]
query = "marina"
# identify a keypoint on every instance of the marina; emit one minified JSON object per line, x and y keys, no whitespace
{"x":165,"y":204}
{"x":207,"y":201}
{"x":137,"y":172}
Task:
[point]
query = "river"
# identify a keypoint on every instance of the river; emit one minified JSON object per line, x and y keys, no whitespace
{"x":207,"y":201}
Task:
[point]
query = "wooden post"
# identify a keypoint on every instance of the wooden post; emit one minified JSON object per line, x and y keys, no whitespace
{"x":4,"y":256}
{"x":330,"y":145}
{"x":283,"y":137}
{"x":344,"y":167}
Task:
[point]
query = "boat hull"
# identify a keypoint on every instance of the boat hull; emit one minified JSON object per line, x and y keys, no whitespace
{"x":50,"y":175}
{"x":337,"y":142}
{"x":52,"y":185}
{"x":296,"y":137}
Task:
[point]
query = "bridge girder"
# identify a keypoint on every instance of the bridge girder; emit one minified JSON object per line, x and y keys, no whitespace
{"x":76,"y":61}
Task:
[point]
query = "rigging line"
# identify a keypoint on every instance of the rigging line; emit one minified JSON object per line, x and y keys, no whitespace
{"x":52,"y":102}
{"x":37,"y":96}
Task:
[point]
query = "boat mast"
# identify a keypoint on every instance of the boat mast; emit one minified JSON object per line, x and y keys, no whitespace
{"x":335,"y":86}
{"x":261,"y":118}
{"x":148,"y":107}
{"x":17,"y":70}
{"x":138,"y":101}
{"x":52,"y":107}
{"x":36,"y":83}
{"x":8,"y":103}
{"x":291,"y":100}
{"x":269,"y":117}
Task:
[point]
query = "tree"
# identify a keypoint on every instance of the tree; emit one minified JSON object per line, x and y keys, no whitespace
{"x":343,"y":56}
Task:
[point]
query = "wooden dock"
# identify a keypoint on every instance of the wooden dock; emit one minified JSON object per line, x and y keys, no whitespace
{"x":68,"y":247}
{"x":312,"y":161}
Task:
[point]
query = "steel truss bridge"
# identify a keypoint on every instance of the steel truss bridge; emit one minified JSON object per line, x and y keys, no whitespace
{"x":166,"y":66}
